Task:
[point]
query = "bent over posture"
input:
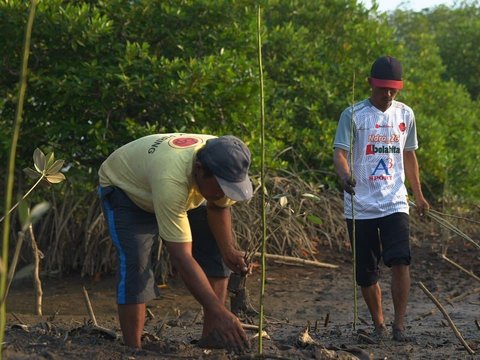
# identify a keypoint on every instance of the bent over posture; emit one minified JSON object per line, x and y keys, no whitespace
{"x":383,"y":148}
{"x":159,"y":184}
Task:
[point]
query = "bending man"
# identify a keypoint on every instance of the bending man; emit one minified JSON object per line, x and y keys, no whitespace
{"x":158,"y":184}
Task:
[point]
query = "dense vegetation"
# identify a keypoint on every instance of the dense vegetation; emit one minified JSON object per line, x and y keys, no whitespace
{"x":104,"y":72}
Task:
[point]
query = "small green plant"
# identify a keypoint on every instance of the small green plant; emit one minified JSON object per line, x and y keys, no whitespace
{"x":46,"y":170}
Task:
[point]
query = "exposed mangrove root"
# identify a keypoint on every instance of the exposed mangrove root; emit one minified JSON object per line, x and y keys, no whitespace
{"x":37,"y":255}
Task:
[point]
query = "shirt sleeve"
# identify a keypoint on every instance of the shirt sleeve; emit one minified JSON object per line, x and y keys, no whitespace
{"x":342,"y":136}
{"x":411,"y":143}
{"x":224,"y":202}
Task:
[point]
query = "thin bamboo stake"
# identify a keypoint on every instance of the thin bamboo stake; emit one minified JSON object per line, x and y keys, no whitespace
{"x":297,"y":260}
{"x":13,"y":266}
{"x":458,"y":266}
{"x":262,"y":180}
{"x":352,"y":197}
{"x":447,"y":317}
{"x":11,"y":165}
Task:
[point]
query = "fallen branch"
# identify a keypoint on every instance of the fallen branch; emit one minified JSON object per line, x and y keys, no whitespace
{"x":95,"y":327}
{"x":363,"y":321}
{"x":89,"y":307}
{"x":298,"y":260}
{"x":21,"y":321}
{"x":450,"y":301}
{"x":197,"y":315}
{"x":249,"y":326}
{"x":447,"y":317}
{"x":460,"y":267}
{"x":13,"y":266}
{"x":365,"y":338}
{"x":149,"y":314}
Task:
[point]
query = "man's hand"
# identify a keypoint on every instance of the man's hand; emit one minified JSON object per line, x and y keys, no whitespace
{"x":348,"y":184}
{"x":221,"y":323}
{"x":422,"y":205}
{"x":235,"y":260}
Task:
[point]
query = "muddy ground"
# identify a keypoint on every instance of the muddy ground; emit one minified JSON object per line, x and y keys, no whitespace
{"x":295,"y":297}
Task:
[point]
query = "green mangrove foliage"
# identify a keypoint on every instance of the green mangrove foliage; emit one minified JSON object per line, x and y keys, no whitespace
{"x":105,"y":72}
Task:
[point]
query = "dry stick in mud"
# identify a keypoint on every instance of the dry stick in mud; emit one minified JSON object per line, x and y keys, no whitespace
{"x":17,"y":318}
{"x":450,"y":301}
{"x":447,"y":317}
{"x":89,"y":307}
{"x":298,"y":260}
{"x":95,"y":326}
{"x":458,"y":266}
{"x":249,"y":326}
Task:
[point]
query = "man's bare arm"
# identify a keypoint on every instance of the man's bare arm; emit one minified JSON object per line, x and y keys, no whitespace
{"x":221,"y":320}
{"x":220,"y":222}
{"x":412,"y":174}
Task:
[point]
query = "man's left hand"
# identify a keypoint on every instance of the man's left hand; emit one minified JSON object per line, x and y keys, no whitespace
{"x":422,"y":205}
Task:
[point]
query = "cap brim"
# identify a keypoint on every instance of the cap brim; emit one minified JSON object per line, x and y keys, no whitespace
{"x":237,"y":191}
{"x":384,"y":83}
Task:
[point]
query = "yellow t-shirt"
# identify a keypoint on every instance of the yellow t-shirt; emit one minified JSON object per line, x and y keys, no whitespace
{"x":156,"y":173}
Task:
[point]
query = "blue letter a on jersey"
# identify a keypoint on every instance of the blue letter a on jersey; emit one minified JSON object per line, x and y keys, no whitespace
{"x":381,"y":165}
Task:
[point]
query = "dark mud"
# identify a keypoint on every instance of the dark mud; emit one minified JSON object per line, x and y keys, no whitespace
{"x":297,"y":297}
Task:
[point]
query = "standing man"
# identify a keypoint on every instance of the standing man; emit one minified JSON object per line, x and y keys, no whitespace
{"x":383,"y":148}
{"x":158,"y":185}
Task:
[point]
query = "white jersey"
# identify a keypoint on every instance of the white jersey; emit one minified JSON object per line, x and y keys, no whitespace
{"x":379,"y":139}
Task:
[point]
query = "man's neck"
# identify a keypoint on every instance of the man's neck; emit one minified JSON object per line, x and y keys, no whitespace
{"x":380,"y":107}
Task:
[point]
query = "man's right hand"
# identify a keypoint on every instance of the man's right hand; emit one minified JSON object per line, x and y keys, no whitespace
{"x":348,"y":184}
{"x":235,"y":260}
{"x":222,"y":323}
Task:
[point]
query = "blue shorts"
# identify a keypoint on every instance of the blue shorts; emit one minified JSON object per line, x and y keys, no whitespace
{"x":387,"y":237}
{"x":134,"y":231}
